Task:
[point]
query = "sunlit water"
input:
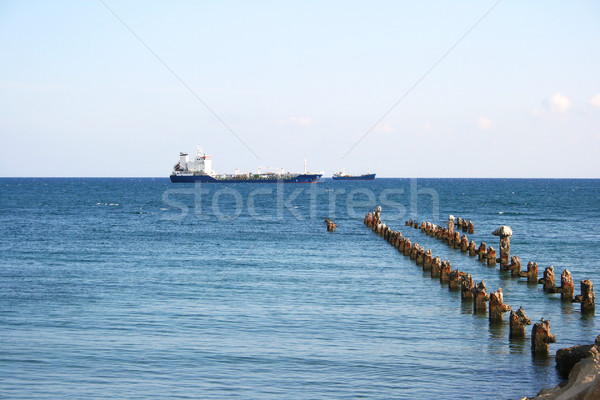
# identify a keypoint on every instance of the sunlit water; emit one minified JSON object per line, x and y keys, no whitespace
{"x":109,"y":288}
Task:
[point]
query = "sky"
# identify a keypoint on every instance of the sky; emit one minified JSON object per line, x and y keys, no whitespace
{"x":401,"y":88}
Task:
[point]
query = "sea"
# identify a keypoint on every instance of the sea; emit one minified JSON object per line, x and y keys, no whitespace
{"x":139,"y":288}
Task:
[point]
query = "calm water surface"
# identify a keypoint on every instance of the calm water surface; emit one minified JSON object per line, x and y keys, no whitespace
{"x":139,"y":288}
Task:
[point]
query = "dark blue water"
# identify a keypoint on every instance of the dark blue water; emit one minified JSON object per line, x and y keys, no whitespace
{"x":139,"y":288}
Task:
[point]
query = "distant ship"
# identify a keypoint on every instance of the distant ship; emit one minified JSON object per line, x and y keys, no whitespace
{"x":200,"y":170}
{"x":343,"y":176}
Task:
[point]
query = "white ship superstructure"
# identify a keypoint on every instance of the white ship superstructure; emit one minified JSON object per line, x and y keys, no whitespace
{"x":202,"y":164}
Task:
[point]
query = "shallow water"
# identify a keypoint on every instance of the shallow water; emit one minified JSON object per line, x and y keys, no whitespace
{"x":110,"y":288}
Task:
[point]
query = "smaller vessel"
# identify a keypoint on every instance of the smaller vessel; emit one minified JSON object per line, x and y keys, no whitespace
{"x":343,"y":176}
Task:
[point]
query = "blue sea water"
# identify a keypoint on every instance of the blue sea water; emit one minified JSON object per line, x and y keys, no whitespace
{"x":140,"y":288}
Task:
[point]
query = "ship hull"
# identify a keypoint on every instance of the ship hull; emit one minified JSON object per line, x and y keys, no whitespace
{"x":302,"y":178}
{"x":366,"y":177}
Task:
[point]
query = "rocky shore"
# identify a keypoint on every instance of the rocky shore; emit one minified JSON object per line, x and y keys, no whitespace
{"x":582,"y":366}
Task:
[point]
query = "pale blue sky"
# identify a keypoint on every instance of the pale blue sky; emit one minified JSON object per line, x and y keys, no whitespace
{"x":518,"y":97}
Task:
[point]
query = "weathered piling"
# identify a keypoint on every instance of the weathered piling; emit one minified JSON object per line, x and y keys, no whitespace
{"x":420,"y":256}
{"x":548,"y":280}
{"x":331,"y":226}
{"x":464,"y":243}
{"x":587,"y":298}
{"x":464,"y":226}
{"x":456,"y":240}
{"x":467,"y":288}
{"x":515,"y":266}
{"x":413,"y":251}
{"x":532,"y":272}
{"x":401,"y":244}
{"x":445,"y":271}
{"x":472,"y":248}
{"x":481,"y":297}
{"x":491,"y":257}
{"x":541,"y":337}
{"x":482,"y":252}
{"x":427,"y":260}
{"x":518,"y":321}
{"x":436,"y":267}
{"x":505,"y":233}
{"x":497,"y":306}
{"x":450,"y":225}
{"x":407,"y":247}
{"x":471,"y":228}
{"x":566,"y":288}
{"x":455,"y":279}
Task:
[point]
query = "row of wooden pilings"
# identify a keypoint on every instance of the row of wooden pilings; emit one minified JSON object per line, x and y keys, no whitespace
{"x":512,"y":264}
{"x":459,"y":280}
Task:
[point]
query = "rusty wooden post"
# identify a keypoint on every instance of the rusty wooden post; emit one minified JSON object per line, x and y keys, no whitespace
{"x":497,"y":306}
{"x":471,"y":229}
{"x":427,"y":260}
{"x":378,"y":212}
{"x":472,"y":248}
{"x":455,"y":279}
{"x":587,"y":298}
{"x":482,"y":252}
{"x":456,"y":240}
{"x":464,"y":243}
{"x":532,"y":272}
{"x":566,"y":288}
{"x":541,"y":337}
{"x":450,"y":226}
{"x":515,"y":266}
{"x":413,"y":251}
{"x":445,"y":271}
{"x":401,"y":244}
{"x":407,"y":247}
{"x":466,"y":288}
{"x":518,"y":321}
{"x":481,"y":297}
{"x":421,"y":256}
{"x":491,"y":257}
{"x":436,"y":267}
{"x":505,"y":233}
{"x":548,"y":280}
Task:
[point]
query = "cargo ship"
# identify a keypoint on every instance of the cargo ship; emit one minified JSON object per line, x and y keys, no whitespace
{"x":200,"y":170}
{"x":343,"y":176}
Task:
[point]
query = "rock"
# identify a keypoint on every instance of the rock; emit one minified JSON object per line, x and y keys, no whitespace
{"x":567,"y":358}
{"x":583,"y":383}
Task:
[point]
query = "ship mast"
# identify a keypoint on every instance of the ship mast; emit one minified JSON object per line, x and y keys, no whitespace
{"x":305,"y":164}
